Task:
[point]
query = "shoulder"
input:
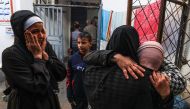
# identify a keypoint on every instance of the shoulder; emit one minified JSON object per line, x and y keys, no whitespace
{"x":15,"y":53}
{"x":95,"y":68}
{"x":167,"y":63}
{"x":12,"y":54}
{"x":10,"y":50}
{"x":76,"y":57}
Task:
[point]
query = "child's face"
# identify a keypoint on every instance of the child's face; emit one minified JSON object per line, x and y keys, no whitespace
{"x":84,"y":45}
{"x":151,"y":58}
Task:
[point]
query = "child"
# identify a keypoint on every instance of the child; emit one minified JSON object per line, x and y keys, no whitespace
{"x":75,"y":90}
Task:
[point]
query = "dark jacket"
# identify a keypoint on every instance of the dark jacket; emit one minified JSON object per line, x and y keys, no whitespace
{"x":33,"y":82}
{"x":107,"y":88}
{"x":75,"y":88}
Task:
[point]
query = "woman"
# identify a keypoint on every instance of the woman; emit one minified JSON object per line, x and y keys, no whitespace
{"x":129,"y":67}
{"x":107,"y":87}
{"x":31,"y":66}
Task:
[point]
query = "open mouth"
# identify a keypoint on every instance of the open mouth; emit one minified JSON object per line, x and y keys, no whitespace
{"x":40,"y":41}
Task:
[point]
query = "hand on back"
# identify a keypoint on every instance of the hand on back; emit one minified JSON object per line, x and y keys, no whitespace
{"x":128,"y":66}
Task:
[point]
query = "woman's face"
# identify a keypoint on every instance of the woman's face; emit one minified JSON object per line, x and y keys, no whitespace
{"x":151,"y":58}
{"x":38,"y":30}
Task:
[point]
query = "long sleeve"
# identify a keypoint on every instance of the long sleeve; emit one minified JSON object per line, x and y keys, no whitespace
{"x":69,"y":81}
{"x":55,"y":65}
{"x":33,"y":78}
{"x":168,"y":104}
{"x":99,"y":57}
{"x":177,"y":81}
{"x":159,"y":103}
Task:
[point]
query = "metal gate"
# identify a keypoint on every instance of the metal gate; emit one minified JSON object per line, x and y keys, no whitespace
{"x":53,"y":22}
{"x":167,"y":21}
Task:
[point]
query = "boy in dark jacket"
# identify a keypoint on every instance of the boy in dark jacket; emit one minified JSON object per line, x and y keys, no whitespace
{"x":75,"y":89}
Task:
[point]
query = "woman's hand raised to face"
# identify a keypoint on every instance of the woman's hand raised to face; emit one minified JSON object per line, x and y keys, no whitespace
{"x":44,"y":42}
{"x":128,"y":66}
{"x":33,"y":45}
{"x":161,"y":83}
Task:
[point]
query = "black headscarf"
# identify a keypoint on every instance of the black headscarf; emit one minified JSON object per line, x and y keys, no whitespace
{"x":17,"y":22}
{"x":125,"y":40}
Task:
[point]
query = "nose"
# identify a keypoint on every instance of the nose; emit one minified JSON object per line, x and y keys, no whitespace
{"x":79,"y":44}
{"x":40,"y":34}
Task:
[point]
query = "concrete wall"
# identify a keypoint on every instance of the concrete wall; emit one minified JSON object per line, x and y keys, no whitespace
{"x":91,"y":13}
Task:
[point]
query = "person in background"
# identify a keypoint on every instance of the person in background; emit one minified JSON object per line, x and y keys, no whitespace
{"x":31,"y":67}
{"x":92,"y":29}
{"x":95,"y":18}
{"x":75,"y":90}
{"x":74,"y":35}
{"x":107,"y":87}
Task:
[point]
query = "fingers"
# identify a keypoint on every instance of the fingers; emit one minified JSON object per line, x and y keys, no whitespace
{"x":139,"y":67}
{"x":133,"y":70}
{"x":125,"y":73}
{"x":155,"y":76}
{"x":128,"y":66}
{"x":36,"y":41}
{"x":130,"y":70}
{"x":28,"y":39}
{"x":32,"y":44}
{"x":167,"y":78}
{"x":152,"y":80}
{"x":44,"y":43}
{"x":139,"y":70}
{"x":158,"y":78}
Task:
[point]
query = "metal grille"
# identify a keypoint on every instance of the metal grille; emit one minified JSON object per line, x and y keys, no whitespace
{"x":171,"y":29}
{"x":52,"y":17}
{"x":167,"y":21}
{"x":175,"y":38}
{"x":145,"y":18}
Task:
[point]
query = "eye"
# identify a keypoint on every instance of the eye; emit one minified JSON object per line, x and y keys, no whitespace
{"x":35,"y":31}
